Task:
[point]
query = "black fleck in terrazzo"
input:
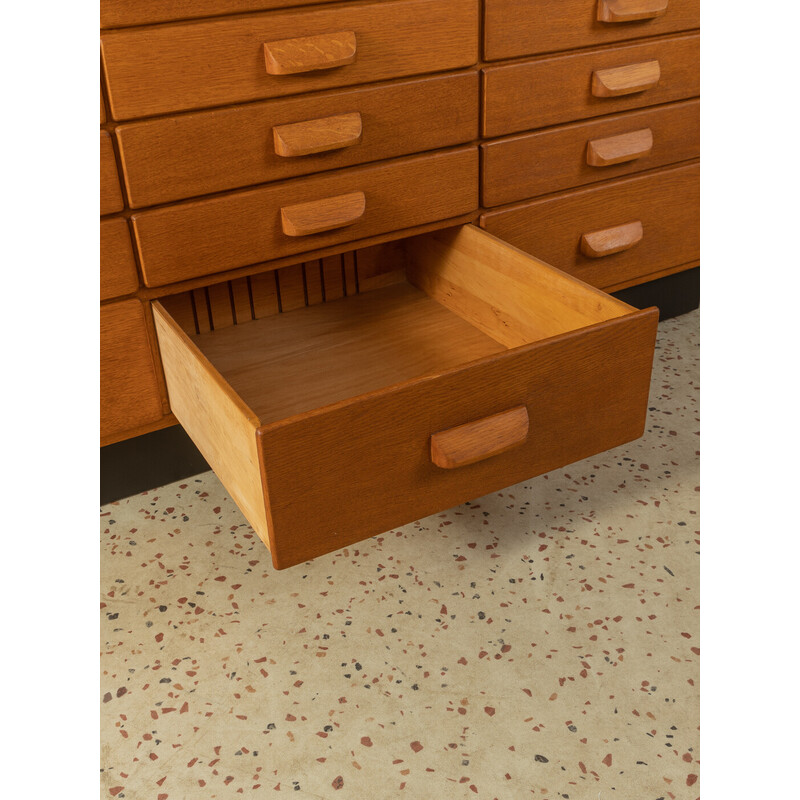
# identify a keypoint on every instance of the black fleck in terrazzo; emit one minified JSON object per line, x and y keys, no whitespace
{"x":538,"y":642}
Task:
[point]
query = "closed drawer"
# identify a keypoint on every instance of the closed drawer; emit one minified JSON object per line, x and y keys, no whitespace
{"x":207,"y":236}
{"x":514,"y":28}
{"x":129,"y":392}
{"x":483,"y":367}
{"x":548,"y":91}
{"x":586,"y":152}
{"x":110,"y":192}
{"x":218,"y":62}
{"x":194,"y":154}
{"x":666,"y":204}
{"x":121,"y":13}
{"x":117,"y":266}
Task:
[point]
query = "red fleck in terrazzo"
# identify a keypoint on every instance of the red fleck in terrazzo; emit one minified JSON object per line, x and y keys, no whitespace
{"x":539,"y":642}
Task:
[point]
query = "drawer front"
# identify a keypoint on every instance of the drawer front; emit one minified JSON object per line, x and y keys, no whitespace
{"x":666,"y":203}
{"x":195,"y":65}
{"x":514,"y":28}
{"x":587,"y":152}
{"x":121,"y":13}
{"x":366,"y":466}
{"x":117,"y":266}
{"x":549,"y":91}
{"x":208,"y":236}
{"x":110,"y":192}
{"x":129,"y":392}
{"x":194,"y":154}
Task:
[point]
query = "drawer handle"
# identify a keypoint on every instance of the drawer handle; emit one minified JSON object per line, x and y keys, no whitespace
{"x":317,"y":135}
{"x":317,"y":216}
{"x":611,"y":240}
{"x":625,"y":80}
{"x":475,"y":441}
{"x":291,"y":56}
{"x":630,"y":10}
{"x":619,"y":149}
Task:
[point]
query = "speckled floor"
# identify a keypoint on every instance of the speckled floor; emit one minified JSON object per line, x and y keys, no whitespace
{"x":538,"y":642}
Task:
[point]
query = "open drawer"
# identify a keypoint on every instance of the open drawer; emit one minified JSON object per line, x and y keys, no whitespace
{"x":480,"y":367}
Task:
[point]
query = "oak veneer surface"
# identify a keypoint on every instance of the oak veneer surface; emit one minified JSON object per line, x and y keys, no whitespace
{"x":514,"y":28}
{"x":219,"y":423}
{"x":548,"y":91}
{"x":121,"y":13}
{"x":117,"y":266}
{"x":666,"y":202}
{"x":201,"y":64}
{"x":555,"y":159}
{"x":194,"y":154}
{"x":381,"y":441}
{"x":110,"y":191}
{"x":313,"y":357}
{"x":195,"y":238}
{"x":129,"y":391}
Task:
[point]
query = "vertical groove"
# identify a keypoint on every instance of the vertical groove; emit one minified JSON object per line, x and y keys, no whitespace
{"x":278,"y":291}
{"x":194,"y":312}
{"x":250,"y":296}
{"x":355,"y":270}
{"x":305,"y":285}
{"x":344,"y":278}
{"x":233,"y":304}
{"x":208,"y":306}
{"x":321,"y":279}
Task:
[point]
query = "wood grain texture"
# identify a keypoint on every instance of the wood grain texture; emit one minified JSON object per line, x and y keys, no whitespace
{"x":123,"y":13}
{"x":549,"y":91}
{"x":505,"y":293}
{"x":310,"y":358}
{"x":607,"y":242}
{"x":621,"y":11}
{"x":585,"y":392}
{"x":318,"y":135}
{"x":514,"y":28}
{"x":309,"y":53}
{"x":199,"y":153}
{"x":327,"y":214}
{"x":527,"y":165}
{"x":110,"y":191}
{"x":118,"y":274}
{"x":476,"y":441}
{"x":202,"y":64}
{"x":129,"y":391}
{"x":666,"y":202}
{"x":219,"y":423}
{"x":619,"y":149}
{"x":630,"y":79}
{"x":194,"y":239}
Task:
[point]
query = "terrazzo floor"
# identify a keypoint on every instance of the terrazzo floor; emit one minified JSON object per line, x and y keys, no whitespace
{"x":538,"y":642}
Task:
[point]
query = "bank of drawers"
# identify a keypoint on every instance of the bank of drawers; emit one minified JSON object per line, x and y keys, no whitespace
{"x":239,"y":132}
{"x":561,"y":121}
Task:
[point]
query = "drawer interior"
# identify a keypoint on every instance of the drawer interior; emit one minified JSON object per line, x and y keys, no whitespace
{"x":449,"y":298}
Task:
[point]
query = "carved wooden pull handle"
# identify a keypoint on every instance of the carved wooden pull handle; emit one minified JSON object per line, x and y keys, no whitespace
{"x":475,"y":441}
{"x":611,"y":240}
{"x":618,"y":149}
{"x":323,"y":215}
{"x":328,"y":50}
{"x":625,"y":80}
{"x":317,"y":135}
{"x":630,"y":10}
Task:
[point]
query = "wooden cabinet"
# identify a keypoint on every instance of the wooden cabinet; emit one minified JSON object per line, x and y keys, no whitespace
{"x":298,"y":197}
